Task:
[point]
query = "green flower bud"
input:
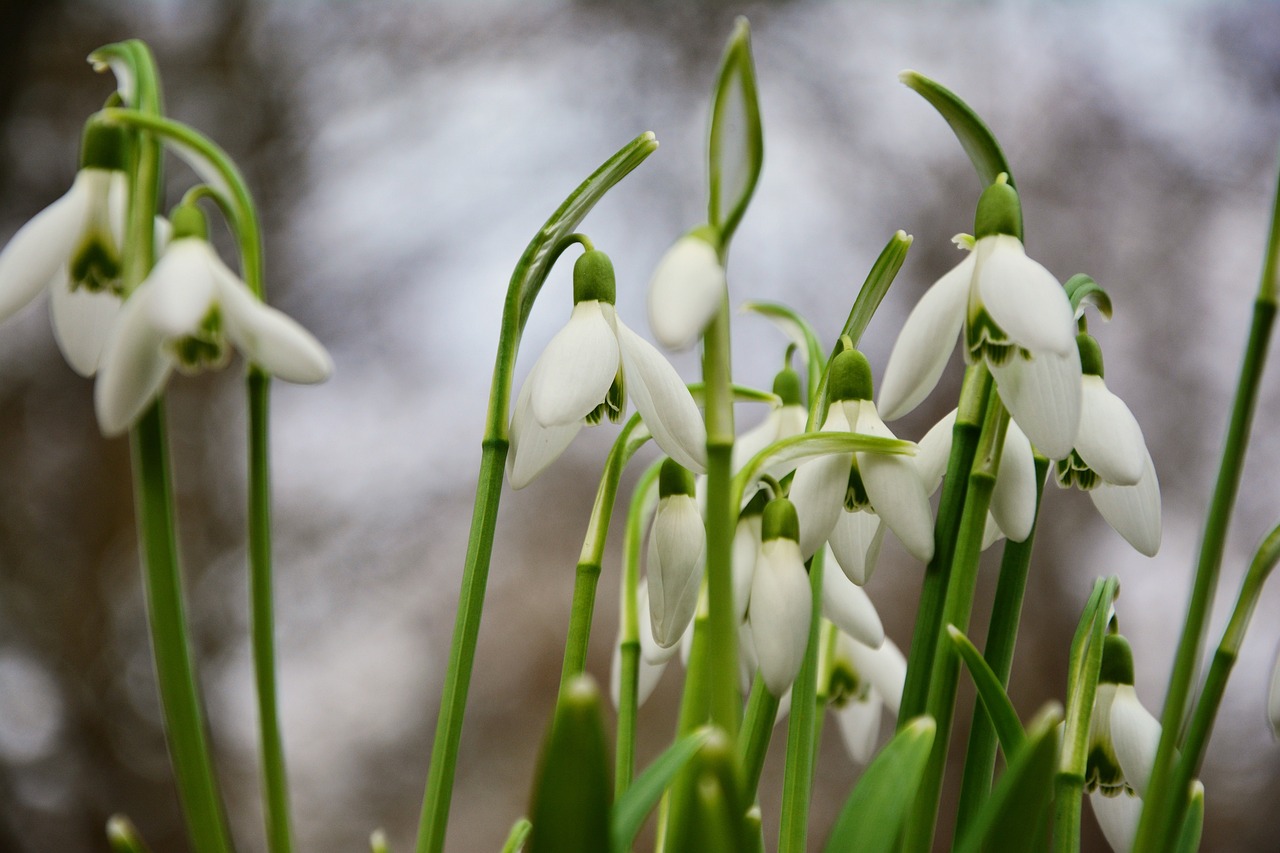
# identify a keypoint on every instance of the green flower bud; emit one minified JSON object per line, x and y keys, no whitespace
{"x":1117,"y":661}
{"x":1090,"y":354}
{"x":787,"y":386}
{"x":593,"y":278}
{"x":105,"y":146}
{"x":189,"y":221}
{"x":780,"y":521}
{"x":849,"y":377}
{"x":674,"y":480}
{"x":999,"y":211}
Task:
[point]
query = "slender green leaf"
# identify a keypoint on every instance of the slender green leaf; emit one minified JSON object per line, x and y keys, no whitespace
{"x":737,"y":141}
{"x":797,"y":447}
{"x":713,"y":816}
{"x":516,"y":838}
{"x":799,"y":330}
{"x":975,"y":137}
{"x":1081,"y":289}
{"x":994,"y":698}
{"x":1193,"y":825}
{"x":571,"y":798}
{"x":1016,"y":817}
{"x":634,"y":806}
{"x":123,"y":836}
{"x":874,"y":813}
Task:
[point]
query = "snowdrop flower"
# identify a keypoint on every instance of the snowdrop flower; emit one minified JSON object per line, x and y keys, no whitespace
{"x":184,"y":315}
{"x":784,"y":421}
{"x":747,"y":537}
{"x":849,"y":608}
{"x":687,"y":290}
{"x":73,"y":247}
{"x":587,"y":372}
{"x":1110,"y":459}
{"x":887,"y":485}
{"x":653,"y":658}
{"x":677,"y":555}
{"x":1014,"y":315}
{"x":781,"y":603}
{"x":864,"y":680}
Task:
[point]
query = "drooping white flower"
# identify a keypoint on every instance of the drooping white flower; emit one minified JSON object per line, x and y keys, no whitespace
{"x":885,"y":484}
{"x":864,"y":680}
{"x":588,"y":371}
{"x":686,"y":291}
{"x":185,"y":315}
{"x":849,"y":608}
{"x":1110,"y":459}
{"x":653,"y":658}
{"x":73,"y":248}
{"x":783,"y":421}
{"x":781,"y":602}
{"x":676,"y":556}
{"x":1014,"y":315}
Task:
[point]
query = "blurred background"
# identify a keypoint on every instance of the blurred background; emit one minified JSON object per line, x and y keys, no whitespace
{"x":403,"y":154}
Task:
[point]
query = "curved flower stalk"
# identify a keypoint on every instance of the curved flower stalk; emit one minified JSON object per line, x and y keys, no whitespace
{"x":781,"y":602}
{"x":184,"y":315}
{"x":863,"y":681}
{"x":887,"y":485}
{"x":587,"y":372}
{"x":74,"y":248}
{"x":1014,"y":315}
{"x":686,"y":290}
{"x":1110,"y":459}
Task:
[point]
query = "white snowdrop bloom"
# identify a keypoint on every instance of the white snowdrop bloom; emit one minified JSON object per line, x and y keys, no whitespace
{"x":1111,"y":461}
{"x":849,"y":608}
{"x":783,"y":421}
{"x":864,"y":680}
{"x":887,"y":485}
{"x":677,"y":554}
{"x":653,"y":658}
{"x":588,"y":371}
{"x":781,"y":602}
{"x":686,"y":291}
{"x":1013,"y":313}
{"x":746,"y":548}
{"x":73,"y":248}
{"x":185,"y":314}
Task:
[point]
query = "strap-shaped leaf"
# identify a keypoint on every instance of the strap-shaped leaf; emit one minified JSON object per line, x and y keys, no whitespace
{"x":634,"y":806}
{"x":799,"y":330}
{"x":975,"y":137}
{"x":708,"y":814}
{"x":1016,"y":817}
{"x":874,"y":813}
{"x":516,"y":838}
{"x":1003,"y":717}
{"x":736,"y":149}
{"x":1193,"y":825}
{"x":574,"y":787}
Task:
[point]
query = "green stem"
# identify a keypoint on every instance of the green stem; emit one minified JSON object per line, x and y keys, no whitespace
{"x":797,"y":780}
{"x":933,"y":591}
{"x":945,"y":676}
{"x":1002,"y":637}
{"x":1165,"y":804}
{"x":757,"y":731}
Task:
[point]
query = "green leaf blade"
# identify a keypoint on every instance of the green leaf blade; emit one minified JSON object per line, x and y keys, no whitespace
{"x":634,"y":806}
{"x":736,"y":147}
{"x":572,"y":796}
{"x":994,"y":698}
{"x":975,"y":137}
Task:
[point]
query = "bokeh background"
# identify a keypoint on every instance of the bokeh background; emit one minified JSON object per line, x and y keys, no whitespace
{"x":403,"y":154}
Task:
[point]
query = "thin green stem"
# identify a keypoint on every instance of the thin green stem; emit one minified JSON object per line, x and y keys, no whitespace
{"x":1002,"y":637}
{"x":757,"y":731}
{"x":797,"y":779}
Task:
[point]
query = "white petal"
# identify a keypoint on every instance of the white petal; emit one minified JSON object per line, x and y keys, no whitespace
{"x":885,"y":668}
{"x":685,"y":292}
{"x":746,"y":546}
{"x":574,"y":372}
{"x":82,"y":322}
{"x":1013,"y":500}
{"x":925,"y":343}
{"x":533,"y":446}
{"x":183,"y":287}
{"x":756,"y":439}
{"x":896,"y":492}
{"x":267,"y":337}
{"x":1023,"y":298}
{"x":1043,"y":396}
{"x":650,"y":651}
{"x":934,"y":451}
{"x":134,"y":366}
{"x":663,"y":401}
{"x":1133,"y":511}
{"x":40,"y":248}
{"x":781,"y":607}
{"x":1110,"y":440}
{"x":855,"y":543}
{"x":849,"y":608}
{"x":991,"y":532}
{"x":1118,"y":818}
{"x":818,"y":491}
{"x":859,"y":722}
{"x":1135,"y":734}
{"x":647,"y":675}
{"x":676,"y":558}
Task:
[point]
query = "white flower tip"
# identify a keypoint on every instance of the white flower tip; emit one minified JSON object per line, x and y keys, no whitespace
{"x":685,"y":292}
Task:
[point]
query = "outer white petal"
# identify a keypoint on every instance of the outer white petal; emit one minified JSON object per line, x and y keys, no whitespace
{"x":859,"y":722}
{"x":663,"y":401}
{"x":855,"y":543}
{"x":1135,"y":733}
{"x":648,"y":672}
{"x":756,"y":439}
{"x":1043,"y":396}
{"x":991,"y":532}
{"x":183,"y":289}
{"x":781,"y":607}
{"x":925,"y":343}
{"x":1110,"y":440}
{"x":894,"y":487}
{"x":574,"y":372}
{"x":1024,"y":298}
{"x":533,"y":446}
{"x":267,"y":337}
{"x":885,"y":668}
{"x":818,"y":491}
{"x":685,"y":292}
{"x":1013,"y":500}
{"x":1118,"y":818}
{"x":650,"y":651}
{"x":934,"y":451}
{"x":746,"y":546}
{"x":82,"y":321}
{"x":40,"y":248}
{"x":676,"y":559}
{"x":134,"y":366}
{"x":1133,"y":511}
{"x":849,"y":608}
